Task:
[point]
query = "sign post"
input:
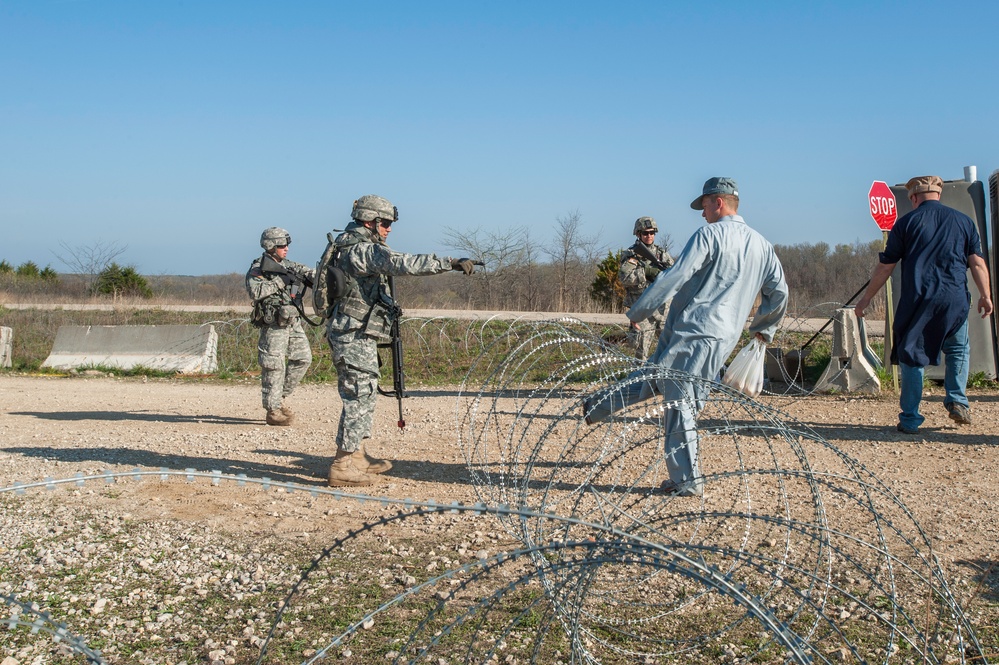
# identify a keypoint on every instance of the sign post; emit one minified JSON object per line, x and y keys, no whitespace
{"x":884,"y":210}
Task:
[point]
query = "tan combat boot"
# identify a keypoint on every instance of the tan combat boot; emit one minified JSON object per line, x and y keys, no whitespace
{"x":276,"y":417}
{"x":343,"y":473}
{"x":367,"y":464}
{"x":288,"y":413}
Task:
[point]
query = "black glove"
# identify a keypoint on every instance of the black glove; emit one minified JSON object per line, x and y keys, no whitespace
{"x":464,"y":265}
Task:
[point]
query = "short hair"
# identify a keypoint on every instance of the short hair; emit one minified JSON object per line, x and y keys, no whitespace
{"x":731,"y":200}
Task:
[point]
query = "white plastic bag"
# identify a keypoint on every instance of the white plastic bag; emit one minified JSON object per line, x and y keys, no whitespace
{"x":745,"y":374}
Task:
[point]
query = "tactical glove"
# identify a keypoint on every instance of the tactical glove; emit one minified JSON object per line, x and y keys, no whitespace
{"x":464,"y":265}
{"x":651,"y":272}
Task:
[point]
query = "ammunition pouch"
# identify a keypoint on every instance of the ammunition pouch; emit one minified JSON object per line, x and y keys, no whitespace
{"x":268,"y":312}
{"x":379,"y":323}
{"x":262,"y":315}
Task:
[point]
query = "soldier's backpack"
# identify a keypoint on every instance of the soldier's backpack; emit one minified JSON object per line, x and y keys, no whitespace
{"x":331,"y":282}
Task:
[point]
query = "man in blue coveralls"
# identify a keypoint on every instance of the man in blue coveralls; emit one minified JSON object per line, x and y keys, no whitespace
{"x":937,"y":246}
{"x":713,"y":285}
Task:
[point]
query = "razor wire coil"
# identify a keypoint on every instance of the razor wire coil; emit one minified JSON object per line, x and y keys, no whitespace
{"x":794,"y":552}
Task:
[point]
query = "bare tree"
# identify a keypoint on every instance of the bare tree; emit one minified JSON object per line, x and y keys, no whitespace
{"x":89,"y":261}
{"x":503,"y":254}
{"x":569,"y":251}
{"x":530,"y":279}
{"x":665,"y":240}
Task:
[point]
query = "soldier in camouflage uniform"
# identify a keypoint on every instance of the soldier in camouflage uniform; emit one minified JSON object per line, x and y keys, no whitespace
{"x":283,"y":350}
{"x":362,"y":318}
{"x":636,"y":273}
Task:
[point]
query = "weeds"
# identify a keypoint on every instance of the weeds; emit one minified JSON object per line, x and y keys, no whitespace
{"x":979,"y":380}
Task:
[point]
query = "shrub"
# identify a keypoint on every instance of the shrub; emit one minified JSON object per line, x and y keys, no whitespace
{"x":117,"y":281}
{"x":606,"y":287}
{"x":28,"y":269}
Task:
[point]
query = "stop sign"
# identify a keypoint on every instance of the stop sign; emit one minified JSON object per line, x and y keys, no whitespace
{"x":883,"y":207}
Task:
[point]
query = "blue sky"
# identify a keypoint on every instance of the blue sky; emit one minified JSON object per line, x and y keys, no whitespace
{"x":183,"y":129}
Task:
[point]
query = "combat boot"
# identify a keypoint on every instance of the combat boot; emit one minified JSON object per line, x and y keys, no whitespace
{"x":368,"y":464}
{"x":343,"y":473}
{"x":288,"y":413}
{"x":276,"y":417}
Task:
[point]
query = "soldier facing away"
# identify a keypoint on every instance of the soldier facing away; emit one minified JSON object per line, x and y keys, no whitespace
{"x":283,"y":349}
{"x":360,"y":319}
{"x":636,"y":273}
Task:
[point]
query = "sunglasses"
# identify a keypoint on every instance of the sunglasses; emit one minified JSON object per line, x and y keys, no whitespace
{"x":647,"y":233}
{"x":385,"y":223}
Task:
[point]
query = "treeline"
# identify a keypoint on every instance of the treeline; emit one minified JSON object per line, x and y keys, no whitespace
{"x":817,"y":274}
{"x":517,"y":277}
{"x":113,"y":280}
{"x":27,"y":272}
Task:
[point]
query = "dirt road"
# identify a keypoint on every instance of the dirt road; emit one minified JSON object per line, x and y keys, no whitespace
{"x":56,"y":427}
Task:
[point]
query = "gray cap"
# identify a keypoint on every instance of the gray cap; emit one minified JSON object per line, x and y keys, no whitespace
{"x":715,"y":186}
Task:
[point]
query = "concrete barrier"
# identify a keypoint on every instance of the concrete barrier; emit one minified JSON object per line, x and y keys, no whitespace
{"x":848,"y":370}
{"x":6,"y":345}
{"x":184,"y":349}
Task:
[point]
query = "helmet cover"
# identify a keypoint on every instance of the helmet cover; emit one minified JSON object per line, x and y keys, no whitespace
{"x":370,"y":207}
{"x":274,"y":236}
{"x":645,"y":224}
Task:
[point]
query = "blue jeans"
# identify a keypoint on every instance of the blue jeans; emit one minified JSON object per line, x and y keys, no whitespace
{"x":956,"y":352}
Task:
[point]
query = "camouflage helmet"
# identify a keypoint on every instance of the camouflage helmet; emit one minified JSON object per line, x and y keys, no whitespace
{"x":645,"y":224}
{"x":274,"y":236}
{"x":370,"y":207}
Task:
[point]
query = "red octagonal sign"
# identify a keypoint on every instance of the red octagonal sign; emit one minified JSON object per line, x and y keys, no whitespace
{"x":883,"y":207}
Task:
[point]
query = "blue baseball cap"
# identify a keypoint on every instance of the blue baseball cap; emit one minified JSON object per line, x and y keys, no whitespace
{"x":715,"y":186}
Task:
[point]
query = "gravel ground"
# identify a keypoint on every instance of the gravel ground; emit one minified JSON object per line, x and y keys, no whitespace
{"x":139,"y":566}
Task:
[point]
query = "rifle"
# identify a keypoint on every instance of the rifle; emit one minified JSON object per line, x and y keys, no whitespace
{"x":647,"y":254}
{"x":297,"y":282}
{"x":395,"y":344}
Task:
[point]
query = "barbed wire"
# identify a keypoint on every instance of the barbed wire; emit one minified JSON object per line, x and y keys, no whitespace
{"x":439,"y":349}
{"x":436,"y":349}
{"x":41,"y":622}
{"x":612,"y":593}
{"x":794,"y":551}
{"x":783,"y":512}
{"x":791,"y":358}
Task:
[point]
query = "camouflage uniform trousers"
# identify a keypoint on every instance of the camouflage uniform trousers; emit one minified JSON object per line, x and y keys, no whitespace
{"x":649,"y":330}
{"x":277,"y":378}
{"x":355,"y":356}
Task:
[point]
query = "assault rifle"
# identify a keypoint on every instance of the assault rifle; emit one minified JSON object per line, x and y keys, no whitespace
{"x":296,"y":283}
{"x":647,"y":254}
{"x":395,"y":344}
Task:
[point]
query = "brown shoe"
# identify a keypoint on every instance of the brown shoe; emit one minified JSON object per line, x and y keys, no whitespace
{"x":289,"y":414}
{"x":276,"y":417}
{"x":959,"y":413}
{"x":367,"y":464}
{"x":343,"y":473}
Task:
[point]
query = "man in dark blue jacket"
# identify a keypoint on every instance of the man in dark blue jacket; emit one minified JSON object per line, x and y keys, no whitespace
{"x":937,"y":246}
